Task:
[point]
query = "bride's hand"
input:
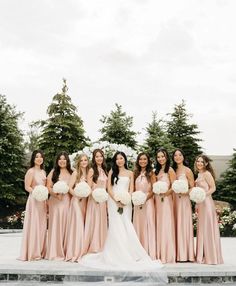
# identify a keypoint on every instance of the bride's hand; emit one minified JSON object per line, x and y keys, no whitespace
{"x":119,"y":205}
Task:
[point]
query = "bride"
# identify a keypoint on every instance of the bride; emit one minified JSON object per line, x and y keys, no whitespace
{"x":122,"y":249}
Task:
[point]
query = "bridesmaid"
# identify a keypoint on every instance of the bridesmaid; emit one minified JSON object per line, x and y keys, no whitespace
{"x":183,"y":210}
{"x":35,"y":224}
{"x":76,"y":217}
{"x":208,"y":234}
{"x":58,"y":208}
{"x":144,"y":218}
{"x":165,"y":227}
{"x":96,"y":214}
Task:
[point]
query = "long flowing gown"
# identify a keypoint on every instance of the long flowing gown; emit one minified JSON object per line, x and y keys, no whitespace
{"x":58,"y":214}
{"x":75,"y":229}
{"x":208,"y":235}
{"x":33,"y":245}
{"x":144,"y":218}
{"x":184,"y":225}
{"x":95,"y":231}
{"x":122,"y":249}
{"x":165,"y":228}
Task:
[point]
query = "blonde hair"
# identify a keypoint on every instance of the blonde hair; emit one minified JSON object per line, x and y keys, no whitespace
{"x":78,"y":168}
{"x":207,"y":164}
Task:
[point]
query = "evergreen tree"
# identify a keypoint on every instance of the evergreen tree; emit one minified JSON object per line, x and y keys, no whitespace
{"x":117,"y":128}
{"x":33,"y":135}
{"x":226,"y":186}
{"x":63,"y":131}
{"x":156,"y":137}
{"x":182,"y":134}
{"x":11,"y":155}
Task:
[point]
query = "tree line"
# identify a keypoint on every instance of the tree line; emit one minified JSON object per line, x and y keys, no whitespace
{"x":64,"y":130}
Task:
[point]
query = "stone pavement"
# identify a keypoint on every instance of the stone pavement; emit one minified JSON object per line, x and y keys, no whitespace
{"x":42,"y":271}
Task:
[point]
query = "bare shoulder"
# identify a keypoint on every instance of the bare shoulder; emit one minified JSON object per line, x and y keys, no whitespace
{"x":171,"y":171}
{"x":188,"y":171}
{"x":207,"y":175}
{"x":131,"y":173}
{"x":90,"y":172}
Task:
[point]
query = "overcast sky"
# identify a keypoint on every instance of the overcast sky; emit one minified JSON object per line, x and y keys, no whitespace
{"x":146,"y":55}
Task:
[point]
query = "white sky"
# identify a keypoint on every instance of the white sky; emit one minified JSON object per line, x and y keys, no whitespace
{"x":146,"y":55}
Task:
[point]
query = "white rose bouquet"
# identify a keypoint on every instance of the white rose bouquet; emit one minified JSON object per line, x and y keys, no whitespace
{"x":197,"y":195}
{"x":160,"y":188}
{"x":40,"y":193}
{"x":100,"y":195}
{"x":180,"y":187}
{"x":82,"y":190}
{"x":123,"y":197}
{"x":139,"y":198}
{"x":60,"y":187}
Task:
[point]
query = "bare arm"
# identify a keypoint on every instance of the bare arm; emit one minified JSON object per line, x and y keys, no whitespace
{"x":131,"y":184}
{"x":190,"y":178}
{"x":90,"y":177}
{"x":72,"y":182}
{"x":172,"y":177}
{"x":211,"y":183}
{"x":28,"y":180}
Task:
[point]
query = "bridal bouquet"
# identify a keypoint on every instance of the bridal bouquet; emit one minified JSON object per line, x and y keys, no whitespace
{"x":197,"y":195}
{"x":123,"y":197}
{"x":180,"y":187}
{"x":40,"y":193}
{"x":160,"y":188}
{"x":60,"y":187}
{"x":82,"y":190}
{"x":100,"y":195}
{"x":139,"y":198}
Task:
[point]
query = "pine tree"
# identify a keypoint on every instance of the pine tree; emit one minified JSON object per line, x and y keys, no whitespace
{"x":32,"y":142}
{"x":11,"y":155}
{"x":182,"y":134}
{"x":63,"y":131}
{"x":117,"y":128}
{"x":226,"y":185}
{"x":156,"y":137}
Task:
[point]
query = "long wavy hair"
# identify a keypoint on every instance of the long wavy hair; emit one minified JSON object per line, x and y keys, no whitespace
{"x":33,"y":156}
{"x":158,"y":165}
{"x":138,"y":169}
{"x":185,"y":162}
{"x":79,"y":169}
{"x":57,"y":169}
{"x":115,"y":168}
{"x":207,"y":164}
{"x":95,"y":167}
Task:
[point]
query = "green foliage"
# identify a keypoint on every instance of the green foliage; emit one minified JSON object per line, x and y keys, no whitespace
{"x":156,"y":137}
{"x":226,"y":185}
{"x":117,"y":128}
{"x":11,"y":155}
{"x":33,"y":135}
{"x":182,"y":134}
{"x":63,"y":131}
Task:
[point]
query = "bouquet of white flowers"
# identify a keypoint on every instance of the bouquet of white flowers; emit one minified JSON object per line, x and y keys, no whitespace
{"x":180,"y":187}
{"x":60,"y":187}
{"x":160,"y":188}
{"x":139,"y":198}
{"x":40,"y":193}
{"x":197,"y":195}
{"x":82,"y":190}
{"x":123,"y":197}
{"x":100,"y":195}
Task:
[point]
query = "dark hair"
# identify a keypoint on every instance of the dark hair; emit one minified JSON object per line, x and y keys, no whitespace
{"x":207,"y":165}
{"x":115,"y":168}
{"x":158,"y":165}
{"x":33,"y":156}
{"x":185,"y":162}
{"x":148,"y":168}
{"x":95,"y":167}
{"x":57,"y":169}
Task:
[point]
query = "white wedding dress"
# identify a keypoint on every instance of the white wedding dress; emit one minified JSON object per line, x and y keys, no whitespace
{"x":122,"y":249}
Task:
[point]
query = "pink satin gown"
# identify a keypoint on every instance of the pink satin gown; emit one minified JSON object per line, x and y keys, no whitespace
{"x":33,"y":245}
{"x":165,"y":226}
{"x":144,"y":218}
{"x":58,"y":214}
{"x":184,"y":226}
{"x":95,"y":232}
{"x":75,"y":229}
{"x":208,"y":234}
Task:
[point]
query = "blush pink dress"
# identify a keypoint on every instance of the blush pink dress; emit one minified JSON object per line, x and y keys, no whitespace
{"x":184,"y":226}
{"x":75,"y":228}
{"x":33,"y":245}
{"x":58,"y":214}
{"x":208,"y":235}
{"x":95,"y":232}
{"x":165,"y":226}
{"x":144,"y":218}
